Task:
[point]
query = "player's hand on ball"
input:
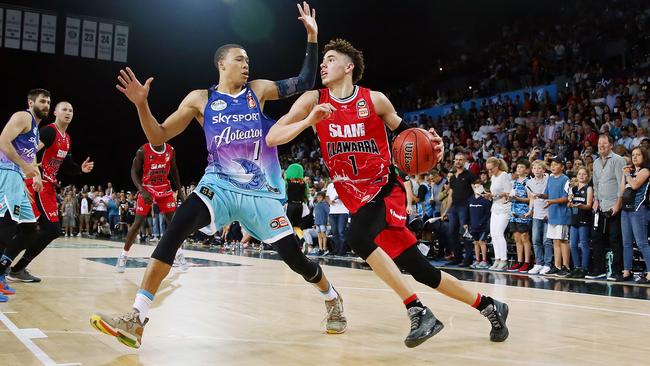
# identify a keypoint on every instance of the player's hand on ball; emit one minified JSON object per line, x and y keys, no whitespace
{"x":321,"y":112}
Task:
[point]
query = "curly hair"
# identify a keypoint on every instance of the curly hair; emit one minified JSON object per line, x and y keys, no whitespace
{"x":342,"y":46}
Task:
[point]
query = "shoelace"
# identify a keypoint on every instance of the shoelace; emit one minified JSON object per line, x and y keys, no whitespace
{"x":127,"y":318}
{"x":333,"y":312}
{"x":415,"y":321}
{"x":494,"y":319}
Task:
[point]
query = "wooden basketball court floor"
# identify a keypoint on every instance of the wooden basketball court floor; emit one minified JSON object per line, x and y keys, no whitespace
{"x":238,"y":310}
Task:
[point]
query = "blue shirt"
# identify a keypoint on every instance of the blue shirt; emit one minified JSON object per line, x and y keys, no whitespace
{"x":517,"y":208}
{"x":558,"y":187}
{"x":235,"y":133}
{"x":112,"y":208}
{"x":321,"y":213}
{"x":479,"y":214}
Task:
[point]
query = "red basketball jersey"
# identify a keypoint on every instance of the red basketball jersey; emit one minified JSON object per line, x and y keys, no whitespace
{"x":156,"y":166}
{"x":354,"y":144}
{"x":54,"y":154}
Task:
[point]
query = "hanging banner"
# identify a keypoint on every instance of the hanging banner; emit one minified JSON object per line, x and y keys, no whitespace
{"x":105,"y":41}
{"x":48,"y":33}
{"x":88,"y":38}
{"x":121,"y":43}
{"x":30,"y":31}
{"x":72,"y":34}
{"x":13,"y":23}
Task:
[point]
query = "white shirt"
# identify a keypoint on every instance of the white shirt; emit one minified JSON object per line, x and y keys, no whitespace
{"x":538,"y":186}
{"x":84,"y":206}
{"x":335,"y":207}
{"x":500,"y":184}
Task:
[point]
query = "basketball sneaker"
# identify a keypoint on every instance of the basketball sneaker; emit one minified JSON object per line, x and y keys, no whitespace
{"x":424,"y":325}
{"x":4,"y":287}
{"x":23,"y":275}
{"x":181,"y":261}
{"x":121,"y":263}
{"x":4,"y":298}
{"x":126,"y":328}
{"x":497,"y":313}
{"x":336,"y":322}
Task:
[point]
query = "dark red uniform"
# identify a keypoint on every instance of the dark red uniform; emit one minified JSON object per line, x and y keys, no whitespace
{"x":355,"y":148}
{"x":155,"y":173}
{"x":56,"y":149}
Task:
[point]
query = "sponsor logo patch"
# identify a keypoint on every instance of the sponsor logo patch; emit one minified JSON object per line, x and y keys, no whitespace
{"x":218,"y":105}
{"x":16,"y":210}
{"x":278,"y":222}
{"x":250,"y":100}
{"x":206,"y":192}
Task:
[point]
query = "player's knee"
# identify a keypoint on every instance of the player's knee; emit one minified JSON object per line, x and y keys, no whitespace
{"x":419,"y":267}
{"x":289,"y":250}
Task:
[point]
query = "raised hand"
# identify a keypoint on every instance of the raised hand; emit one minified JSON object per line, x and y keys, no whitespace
{"x":321,"y":112}
{"x":87,"y":165}
{"x":132,"y":88}
{"x":308,"y":19}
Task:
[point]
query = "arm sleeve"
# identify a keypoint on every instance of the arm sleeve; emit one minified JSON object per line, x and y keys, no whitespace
{"x":69,"y":166}
{"x":305,"y":79}
{"x":47,"y":134}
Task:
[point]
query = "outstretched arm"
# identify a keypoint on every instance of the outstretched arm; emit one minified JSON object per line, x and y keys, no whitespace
{"x":176,"y":123}
{"x":20,"y":122}
{"x":305,"y":80}
{"x":303,"y":114}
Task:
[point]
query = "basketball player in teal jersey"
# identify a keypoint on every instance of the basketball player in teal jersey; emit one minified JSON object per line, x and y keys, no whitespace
{"x":242,"y":181}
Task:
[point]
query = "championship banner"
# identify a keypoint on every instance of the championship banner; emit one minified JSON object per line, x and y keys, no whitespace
{"x":72,"y":34}
{"x":30,"y":31}
{"x":13,"y":26}
{"x":48,"y":33}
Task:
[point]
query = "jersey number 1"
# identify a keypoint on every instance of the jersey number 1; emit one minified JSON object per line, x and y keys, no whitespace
{"x":256,"y":153}
{"x":354,"y":164}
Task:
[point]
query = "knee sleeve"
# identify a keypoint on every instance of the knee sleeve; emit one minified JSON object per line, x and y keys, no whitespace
{"x":366,"y":224}
{"x":361,"y":241}
{"x":47,"y":232}
{"x":26,"y":234}
{"x":7,"y":231}
{"x":289,"y":250}
{"x":419,"y":267}
{"x":190,"y":216}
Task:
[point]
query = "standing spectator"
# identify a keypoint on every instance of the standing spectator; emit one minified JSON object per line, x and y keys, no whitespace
{"x":607,"y":178}
{"x":499,"y":191}
{"x":580,"y":202}
{"x":69,"y":214}
{"x":559,"y":218}
{"x":519,"y":222}
{"x":460,"y":182}
{"x":85,"y":206}
{"x":479,"y":218}
{"x":339,"y":215}
{"x":113,"y":211}
{"x":321,"y":212}
{"x":542,"y":245}
{"x":634,"y":218}
{"x":437,"y":182}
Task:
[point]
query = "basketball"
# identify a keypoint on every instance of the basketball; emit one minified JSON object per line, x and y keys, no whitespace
{"x":413,"y":151}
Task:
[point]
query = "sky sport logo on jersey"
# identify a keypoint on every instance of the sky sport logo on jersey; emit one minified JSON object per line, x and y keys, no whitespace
{"x":228,"y":118}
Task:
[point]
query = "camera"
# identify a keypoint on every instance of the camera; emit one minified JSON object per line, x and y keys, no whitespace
{"x":607,"y":214}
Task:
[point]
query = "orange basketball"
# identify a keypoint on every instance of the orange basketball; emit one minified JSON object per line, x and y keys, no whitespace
{"x":413,"y":151}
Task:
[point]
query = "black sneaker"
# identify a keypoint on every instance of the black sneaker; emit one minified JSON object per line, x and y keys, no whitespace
{"x":643,"y":281}
{"x":563,"y":272}
{"x":553,"y":272}
{"x":23,"y":275}
{"x":579,"y":273}
{"x":497,"y":313}
{"x":596,"y":275}
{"x":424,"y":325}
{"x":621,"y":278}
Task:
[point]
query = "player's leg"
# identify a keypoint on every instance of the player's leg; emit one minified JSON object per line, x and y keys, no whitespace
{"x":265,"y":219}
{"x":192,"y":215}
{"x":49,"y":229}
{"x":424,"y":272}
{"x":128,"y":242}
{"x":8,"y":228}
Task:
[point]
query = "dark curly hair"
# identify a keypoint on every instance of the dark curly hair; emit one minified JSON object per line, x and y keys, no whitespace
{"x":346,"y":48}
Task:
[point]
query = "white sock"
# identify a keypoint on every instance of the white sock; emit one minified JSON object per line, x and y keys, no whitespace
{"x":125,"y":253}
{"x":179,"y":251}
{"x":143,"y":300}
{"x":330,"y":294}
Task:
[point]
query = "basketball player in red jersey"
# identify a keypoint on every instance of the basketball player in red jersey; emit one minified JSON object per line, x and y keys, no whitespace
{"x":351,"y":122}
{"x":149,"y":172}
{"x":54,"y":153}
